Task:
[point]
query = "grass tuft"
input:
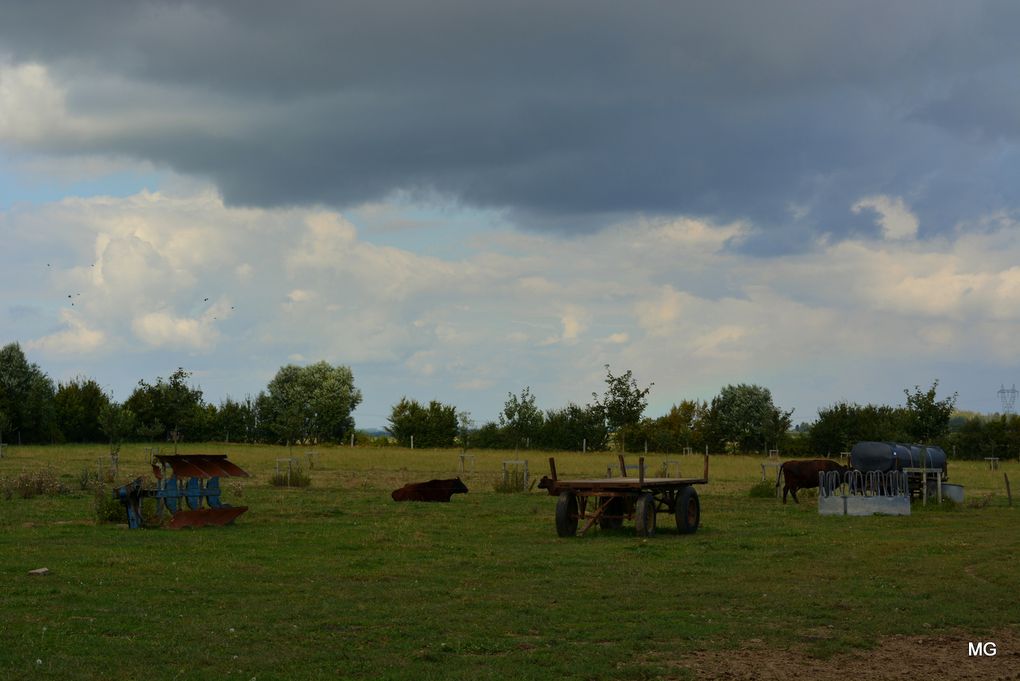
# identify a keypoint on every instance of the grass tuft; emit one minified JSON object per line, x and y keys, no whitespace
{"x":763,"y":489}
{"x":294,"y":476}
{"x":979,"y":501}
{"x":514,"y":481}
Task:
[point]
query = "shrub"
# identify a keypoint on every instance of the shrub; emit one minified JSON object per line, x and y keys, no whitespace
{"x":979,"y":501}
{"x":29,"y":484}
{"x":236,"y":488}
{"x":87,"y":479}
{"x":365,"y":439}
{"x":764,"y":489}
{"x":294,"y":476}
{"x":513,"y":481}
{"x":108,"y":508}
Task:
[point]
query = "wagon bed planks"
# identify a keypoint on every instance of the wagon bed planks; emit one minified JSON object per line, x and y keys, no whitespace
{"x":627,"y":484}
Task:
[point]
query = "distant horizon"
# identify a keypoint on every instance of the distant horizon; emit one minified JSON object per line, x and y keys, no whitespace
{"x":382,"y":425}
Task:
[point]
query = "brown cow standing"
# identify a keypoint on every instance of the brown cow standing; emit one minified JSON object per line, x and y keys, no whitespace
{"x":804,"y":474}
{"x":433,"y":490}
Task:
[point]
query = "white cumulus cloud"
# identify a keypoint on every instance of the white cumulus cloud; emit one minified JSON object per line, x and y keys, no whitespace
{"x":76,"y":338}
{"x":159,"y":329}
{"x":894,"y":216}
{"x":184,"y":280}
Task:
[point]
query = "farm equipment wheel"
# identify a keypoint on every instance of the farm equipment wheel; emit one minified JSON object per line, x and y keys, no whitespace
{"x":613,"y":508}
{"x":688,"y":511}
{"x":644,"y":515}
{"x":566,"y":514}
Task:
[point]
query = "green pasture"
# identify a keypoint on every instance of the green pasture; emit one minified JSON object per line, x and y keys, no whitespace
{"x":337,"y":581}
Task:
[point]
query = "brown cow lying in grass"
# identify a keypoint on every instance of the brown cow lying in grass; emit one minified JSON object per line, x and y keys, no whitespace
{"x":804,"y":474}
{"x":433,"y":490}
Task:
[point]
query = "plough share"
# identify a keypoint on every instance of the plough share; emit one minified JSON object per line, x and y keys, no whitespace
{"x":190,"y":493}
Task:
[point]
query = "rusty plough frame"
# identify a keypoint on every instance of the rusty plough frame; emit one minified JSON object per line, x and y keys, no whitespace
{"x":200,"y":493}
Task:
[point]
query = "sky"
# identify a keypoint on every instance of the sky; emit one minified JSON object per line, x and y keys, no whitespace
{"x":461,"y":199}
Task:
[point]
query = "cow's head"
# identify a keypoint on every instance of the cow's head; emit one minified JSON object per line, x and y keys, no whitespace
{"x":459,"y":487}
{"x":548,"y":484}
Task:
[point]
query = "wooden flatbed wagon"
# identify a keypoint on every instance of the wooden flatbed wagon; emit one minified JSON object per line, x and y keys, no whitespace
{"x":610,"y":501}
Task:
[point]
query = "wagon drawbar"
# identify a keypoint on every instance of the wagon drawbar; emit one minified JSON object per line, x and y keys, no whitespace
{"x":610,"y":501}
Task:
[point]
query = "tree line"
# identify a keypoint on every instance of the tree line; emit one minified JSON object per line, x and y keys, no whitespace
{"x":924,"y":418}
{"x":741,"y":418}
{"x":314,"y":404}
{"x":300,"y":404}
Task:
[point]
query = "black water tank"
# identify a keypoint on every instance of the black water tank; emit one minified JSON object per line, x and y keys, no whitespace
{"x":889,"y":456}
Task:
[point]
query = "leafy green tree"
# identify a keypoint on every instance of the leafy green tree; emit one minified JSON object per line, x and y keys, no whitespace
{"x":77,"y":405}
{"x":288,"y":407}
{"x":574,"y":427}
{"x":520,"y":418}
{"x":746,"y":416}
{"x":928,"y":417}
{"x":150,"y":432}
{"x":332,"y":398}
{"x":684,"y":425}
{"x":435,"y":425}
{"x":184,"y":407}
{"x":976,"y":436}
{"x":264,"y":430}
{"x":170,"y":409}
{"x":310,"y":404}
{"x":406,"y":419}
{"x":464,"y":427}
{"x":26,"y":397}
{"x":250,"y":419}
{"x":490,"y":436}
{"x":116,"y":422}
{"x":836,"y":428}
{"x":841,"y":425}
{"x":230,"y":420}
{"x":623,"y":403}
{"x":206,"y":424}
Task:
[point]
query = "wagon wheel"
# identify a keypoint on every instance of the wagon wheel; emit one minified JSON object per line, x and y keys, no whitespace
{"x":566,"y":515}
{"x":688,"y":511}
{"x":613,"y":508}
{"x":644,"y":515}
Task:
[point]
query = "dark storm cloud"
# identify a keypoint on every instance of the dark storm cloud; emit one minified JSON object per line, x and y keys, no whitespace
{"x":568,"y":113}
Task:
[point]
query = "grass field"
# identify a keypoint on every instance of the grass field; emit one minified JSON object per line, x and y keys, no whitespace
{"x":337,"y":581}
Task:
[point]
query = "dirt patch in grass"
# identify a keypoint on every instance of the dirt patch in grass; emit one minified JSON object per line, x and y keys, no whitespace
{"x":895,"y":658}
